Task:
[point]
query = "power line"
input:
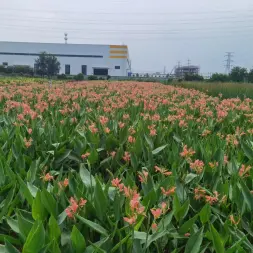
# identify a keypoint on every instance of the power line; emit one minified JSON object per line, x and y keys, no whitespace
{"x":130,"y":13}
{"x":229,"y":60}
{"x":136,"y":24}
{"x":90,"y":21}
{"x":133,"y":31}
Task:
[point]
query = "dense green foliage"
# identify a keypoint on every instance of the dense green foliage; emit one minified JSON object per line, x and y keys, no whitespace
{"x":124,"y":167}
{"x":217,"y":77}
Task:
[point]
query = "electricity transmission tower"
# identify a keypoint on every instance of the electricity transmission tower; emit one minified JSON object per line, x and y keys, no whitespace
{"x":229,"y":56}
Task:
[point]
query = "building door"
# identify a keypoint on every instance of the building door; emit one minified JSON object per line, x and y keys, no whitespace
{"x":84,"y":70}
{"x":100,"y":72}
{"x":67,"y":69}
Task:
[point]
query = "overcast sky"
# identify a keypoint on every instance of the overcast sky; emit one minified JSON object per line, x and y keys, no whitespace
{"x":158,"y":33}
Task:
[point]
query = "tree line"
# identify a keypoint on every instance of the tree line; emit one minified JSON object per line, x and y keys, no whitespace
{"x":237,"y":74}
{"x":45,"y":65}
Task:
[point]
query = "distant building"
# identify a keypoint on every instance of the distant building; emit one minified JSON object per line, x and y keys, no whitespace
{"x":88,"y":59}
{"x":181,"y":71}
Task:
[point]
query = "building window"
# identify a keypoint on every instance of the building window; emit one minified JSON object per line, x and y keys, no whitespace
{"x":84,"y":70}
{"x":67,"y":69}
{"x":100,"y":72}
{"x":117,"y":67}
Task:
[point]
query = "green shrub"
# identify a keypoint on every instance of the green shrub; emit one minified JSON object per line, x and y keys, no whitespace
{"x":79,"y":77}
{"x":92,"y":78}
{"x":62,"y":77}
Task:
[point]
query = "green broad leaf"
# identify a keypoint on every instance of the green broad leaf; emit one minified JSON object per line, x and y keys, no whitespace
{"x":217,"y":241}
{"x":100,"y":200}
{"x":150,"y":199}
{"x":33,"y":189}
{"x":53,"y":247}
{"x":93,"y":157}
{"x":154,"y":237}
{"x":106,"y":160}
{"x":176,"y":204}
{"x":111,"y":143}
{"x":13,"y":224}
{"x":194,"y":242}
{"x":2,"y":174}
{"x":248,"y":198}
{"x":247,"y":150}
{"x":116,"y":247}
{"x":54,"y":229}
{"x":189,"y":178}
{"x":93,"y":225}
{"x":97,"y":248}
{"x":25,"y":191}
{"x":62,"y":217}
{"x":205,"y":213}
{"x":166,"y":220}
{"x":24,"y":226}
{"x":134,"y":161}
{"x":117,"y":207}
{"x":177,"y":138}
{"x":7,"y":202}
{"x":234,"y":247}
{"x":140,"y":235}
{"x":158,"y":150}
{"x":63,"y":156}
{"x":139,"y":223}
{"x":36,"y":239}
{"x":86,"y":177}
{"x":77,"y":240}
{"x":9,"y":248}
{"x":188,"y":225}
{"x":11,"y":239}
{"x":183,"y":210}
{"x":149,"y":142}
{"x":49,"y":202}
{"x":38,"y":210}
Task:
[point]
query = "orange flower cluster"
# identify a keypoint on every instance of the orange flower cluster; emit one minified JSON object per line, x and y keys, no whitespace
{"x":47,"y":177}
{"x":243,"y":172}
{"x":197,"y":166}
{"x":64,"y":183}
{"x":187,"y":153}
{"x":163,"y":171}
{"x":168,"y":192}
{"x":74,"y":207}
{"x":134,"y":201}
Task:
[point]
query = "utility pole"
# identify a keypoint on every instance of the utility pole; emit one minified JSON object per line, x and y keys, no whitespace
{"x":229,"y":56}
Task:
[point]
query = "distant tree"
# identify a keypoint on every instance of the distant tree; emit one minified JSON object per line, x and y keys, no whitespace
{"x":238,"y":74}
{"x":218,"y":77}
{"x":53,"y":65}
{"x":250,"y":76}
{"x":193,"y":77}
{"x":47,"y":64}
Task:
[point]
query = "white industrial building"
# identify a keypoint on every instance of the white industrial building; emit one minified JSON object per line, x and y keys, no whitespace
{"x":88,"y":59}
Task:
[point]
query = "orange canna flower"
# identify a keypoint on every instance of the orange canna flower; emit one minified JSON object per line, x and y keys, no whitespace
{"x":84,"y":156}
{"x":156,"y":213}
{"x":47,"y":177}
{"x":154,"y":226}
{"x":169,"y":192}
{"x":130,"y":220}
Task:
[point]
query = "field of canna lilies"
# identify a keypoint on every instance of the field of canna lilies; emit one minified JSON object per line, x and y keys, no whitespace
{"x":124,"y":167}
